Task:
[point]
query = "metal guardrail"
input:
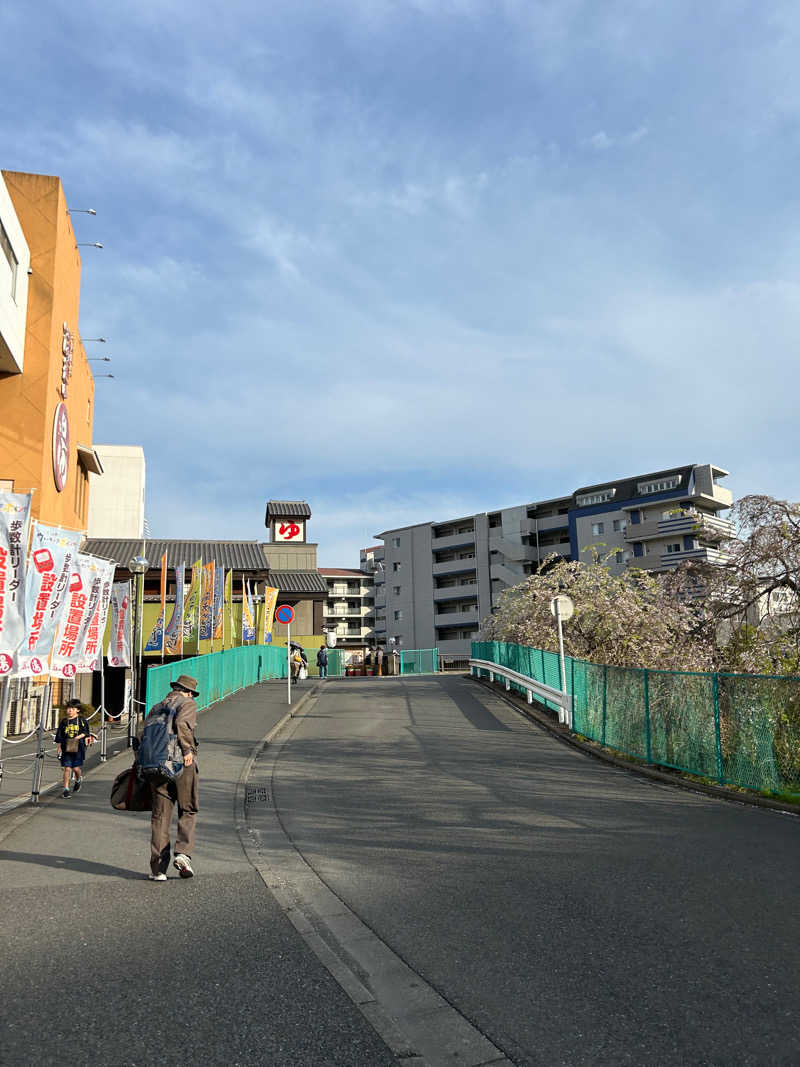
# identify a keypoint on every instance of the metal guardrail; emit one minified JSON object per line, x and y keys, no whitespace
{"x":531,"y":686}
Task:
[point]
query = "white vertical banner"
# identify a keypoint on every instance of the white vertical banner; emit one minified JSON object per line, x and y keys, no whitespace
{"x":90,"y":653}
{"x":48,"y":572}
{"x":15,"y":514}
{"x":84,"y":598}
{"x":119,"y":644}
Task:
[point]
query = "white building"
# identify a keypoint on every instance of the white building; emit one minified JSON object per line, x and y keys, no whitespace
{"x":116,"y":501}
{"x":350,"y":606}
{"x":15,"y":263}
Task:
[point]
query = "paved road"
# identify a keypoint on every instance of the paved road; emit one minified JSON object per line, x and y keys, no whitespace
{"x":574,"y":913}
{"x":571,"y":913}
{"x":101,"y":966}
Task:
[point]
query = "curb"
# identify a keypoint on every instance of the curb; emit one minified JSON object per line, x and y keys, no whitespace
{"x":543,"y":720}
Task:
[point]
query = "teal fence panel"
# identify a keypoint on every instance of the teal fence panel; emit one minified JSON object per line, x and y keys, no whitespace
{"x":335,"y":663}
{"x":419,"y":661}
{"x":218,"y":674}
{"x":737,"y":729}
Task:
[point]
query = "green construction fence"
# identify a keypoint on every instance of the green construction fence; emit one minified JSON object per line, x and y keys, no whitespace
{"x":737,"y":729}
{"x":419,"y":661}
{"x":219,"y":674}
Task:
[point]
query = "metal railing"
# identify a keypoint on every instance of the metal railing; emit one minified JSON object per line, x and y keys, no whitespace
{"x":530,"y":686}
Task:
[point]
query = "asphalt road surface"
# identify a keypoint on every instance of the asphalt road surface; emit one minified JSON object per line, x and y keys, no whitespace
{"x":576,"y":914}
{"x":101,"y":966}
{"x":569,"y":912}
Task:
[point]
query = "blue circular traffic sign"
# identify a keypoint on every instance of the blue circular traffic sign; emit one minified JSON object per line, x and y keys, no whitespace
{"x":284,"y":614}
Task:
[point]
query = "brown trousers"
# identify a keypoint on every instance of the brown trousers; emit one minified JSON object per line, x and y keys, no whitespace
{"x":165,"y":796}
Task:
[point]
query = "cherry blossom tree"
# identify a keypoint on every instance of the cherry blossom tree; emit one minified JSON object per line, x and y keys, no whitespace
{"x":634,"y":619}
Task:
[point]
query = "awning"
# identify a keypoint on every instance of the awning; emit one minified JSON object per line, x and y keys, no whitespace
{"x":89,"y":459}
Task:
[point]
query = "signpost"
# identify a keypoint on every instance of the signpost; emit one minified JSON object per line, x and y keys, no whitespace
{"x":562,"y":608}
{"x":285,"y":614}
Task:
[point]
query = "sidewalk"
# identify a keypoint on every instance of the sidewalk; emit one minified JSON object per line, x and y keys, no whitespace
{"x":18,"y":760}
{"x":103,"y":966}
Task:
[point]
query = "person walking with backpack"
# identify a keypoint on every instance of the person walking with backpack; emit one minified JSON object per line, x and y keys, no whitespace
{"x":71,"y":737}
{"x":322,"y":661}
{"x":181,"y":790}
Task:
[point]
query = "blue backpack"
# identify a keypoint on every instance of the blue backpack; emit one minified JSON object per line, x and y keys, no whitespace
{"x":159,"y":755}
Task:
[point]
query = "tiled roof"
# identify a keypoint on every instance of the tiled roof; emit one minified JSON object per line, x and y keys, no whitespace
{"x":334,"y":572}
{"x":239,"y":555}
{"x":287,"y":509}
{"x":298,"y":581}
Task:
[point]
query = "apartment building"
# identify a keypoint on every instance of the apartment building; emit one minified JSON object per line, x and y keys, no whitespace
{"x":349,"y":609}
{"x":436,"y":581}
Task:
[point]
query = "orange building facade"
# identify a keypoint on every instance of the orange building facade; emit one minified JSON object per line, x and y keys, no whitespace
{"x":47,"y":411}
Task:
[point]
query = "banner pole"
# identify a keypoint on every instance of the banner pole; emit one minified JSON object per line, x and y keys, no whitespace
{"x":39,"y":758}
{"x":200,"y":585}
{"x":5,"y":702}
{"x":103,"y":727}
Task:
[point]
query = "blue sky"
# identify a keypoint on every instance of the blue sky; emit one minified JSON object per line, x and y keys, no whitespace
{"x":410,"y":259}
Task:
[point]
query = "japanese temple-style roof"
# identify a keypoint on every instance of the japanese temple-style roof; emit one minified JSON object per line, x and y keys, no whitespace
{"x":238,"y":555}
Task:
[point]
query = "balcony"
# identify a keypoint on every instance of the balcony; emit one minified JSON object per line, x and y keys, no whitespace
{"x":704,"y":555}
{"x":462,"y":540}
{"x":459,"y":647}
{"x":708,"y":526}
{"x":551,"y":522}
{"x":455,"y":566}
{"x":456,"y":592}
{"x":456,"y":618}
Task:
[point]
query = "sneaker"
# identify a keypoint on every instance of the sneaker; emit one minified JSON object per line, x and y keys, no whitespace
{"x":66,"y":793}
{"x":157,"y":877}
{"x":183,"y":866}
{"x":78,"y":784}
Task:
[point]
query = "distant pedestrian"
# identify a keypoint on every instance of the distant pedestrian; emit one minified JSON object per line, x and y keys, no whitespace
{"x":379,"y":661}
{"x":368,"y":658}
{"x":322,"y":661}
{"x":71,"y":737}
{"x":182,"y":791}
{"x":296,"y":660}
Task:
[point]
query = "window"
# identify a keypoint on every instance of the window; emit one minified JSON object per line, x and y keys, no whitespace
{"x":398,"y":616}
{"x":396,"y":590}
{"x":396,"y":567}
{"x":395,"y":542}
{"x":586,"y":500}
{"x":598,"y":528}
{"x":620,"y":525}
{"x":674,"y":547}
{"x":13,"y":262}
{"x":658,"y":485}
